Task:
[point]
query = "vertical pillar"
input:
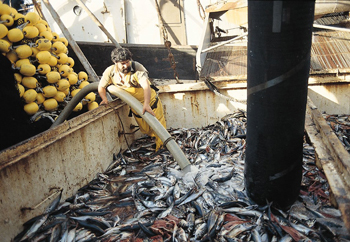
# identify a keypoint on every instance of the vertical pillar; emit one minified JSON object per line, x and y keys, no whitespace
{"x":279,"y":44}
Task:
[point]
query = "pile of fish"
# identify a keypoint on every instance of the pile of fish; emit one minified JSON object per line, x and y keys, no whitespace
{"x":340,"y":124}
{"x":144,"y":196}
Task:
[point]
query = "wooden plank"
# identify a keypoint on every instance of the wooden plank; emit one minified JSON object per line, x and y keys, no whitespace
{"x":332,"y":157}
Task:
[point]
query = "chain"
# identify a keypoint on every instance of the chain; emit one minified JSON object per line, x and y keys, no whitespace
{"x":201,"y":10}
{"x":167,"y":44}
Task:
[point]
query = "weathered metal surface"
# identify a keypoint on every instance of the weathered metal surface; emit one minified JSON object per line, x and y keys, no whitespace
{"x":66,"y":157}
{"x":332,"y":157}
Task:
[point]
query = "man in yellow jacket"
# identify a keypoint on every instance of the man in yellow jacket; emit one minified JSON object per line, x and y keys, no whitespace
{"x":133,"y":78}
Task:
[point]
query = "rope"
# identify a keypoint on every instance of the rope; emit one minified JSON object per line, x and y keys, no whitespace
{"x":201,"y":10}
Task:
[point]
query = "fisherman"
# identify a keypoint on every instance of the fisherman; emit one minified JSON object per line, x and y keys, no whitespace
{"x":133,"y":78}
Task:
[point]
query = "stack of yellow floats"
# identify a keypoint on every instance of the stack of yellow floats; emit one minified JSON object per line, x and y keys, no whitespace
{"x":43,"y":70}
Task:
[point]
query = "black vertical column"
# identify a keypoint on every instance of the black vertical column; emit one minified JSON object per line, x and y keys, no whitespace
{"x":279,"y":43}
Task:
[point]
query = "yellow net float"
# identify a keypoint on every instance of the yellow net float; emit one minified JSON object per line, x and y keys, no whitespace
{"x":62,"y":84}
{"x":46,"y":35}
{"x":27,"y":69}
{"x":41,"y":27}
{"x":52,"y":61}
{"x":30,"y":82}
{"x":66,"y":91}
{"x":30,"y":32}
{"x":43,"y":44}
{"x":31,"y":108}
{"x":35,"y":51}
{"x":43,"y":69}
{"x":5,"y":9}
{"x":64,"y":70}
{"x":83,"y":84}
{"x":90,"y":97}
{"x":21,"y":62}
{"x":78,"y":107}
{"x":59,"y":47}
{"x":63,"y":40}
{"x":24,"y":51}
{"x":82,"y":76}
{"x":55,"y":36}
{"x":74,"y":92}
{"x":53,"y":77}
{"x":42,"y":21}
{"x":4,"y":46}
{"x":18,"y":78}
{"x":49,"y":91}
{"x":43,"y":57}
{"x":12,"y":56}
{"x":21,"y":90}
{"x":70,"y":62}
{"x":3,"y":31}
{"x":7,"y":20}
{"x":40,"y":98}
{"x":50,"y":104}
{"x":62,"y":58}
{"x":14,"y":35}
{"x":30,"y":95}
{"x":72,"y":78}
{"x":60,"y":96}
{"x":32,"y":18}
{"x":92,"y":105}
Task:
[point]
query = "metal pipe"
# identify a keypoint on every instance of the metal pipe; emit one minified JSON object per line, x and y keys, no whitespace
{"x":91,"y":72}
{"x":224,"y":42}
{"x":99,"y":24}
{"x":320,"y":26}
{"x":279,"y":44}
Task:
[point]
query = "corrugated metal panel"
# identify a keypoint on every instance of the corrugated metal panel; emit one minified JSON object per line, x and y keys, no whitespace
{"x":330,"y":53}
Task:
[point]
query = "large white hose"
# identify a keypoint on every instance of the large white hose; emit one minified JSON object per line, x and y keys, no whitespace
{"x":153,"y":122}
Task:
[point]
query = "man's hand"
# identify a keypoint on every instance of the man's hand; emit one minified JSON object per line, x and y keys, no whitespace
{"x":104,"y":102}
{"x":147,"y":108}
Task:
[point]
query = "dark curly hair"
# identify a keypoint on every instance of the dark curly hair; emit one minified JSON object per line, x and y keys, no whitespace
{"x":120,"y":54}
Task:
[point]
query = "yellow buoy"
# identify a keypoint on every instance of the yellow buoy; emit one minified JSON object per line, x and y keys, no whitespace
{"x":24,"y":51}
{"x":63,"y":40}
{"x":49,"y":91}
{"x":53,"y":61}
{"x":83,"y":84}
{"x":32,"y":18}
{"x":55,"y":36}
{"x":21,"y":89}
{"x":62,"y":84}
{"x":4,"y":46}
{"x":41,"y":27}
{"x":64,"y":70}
{"x":31,"y":108}
{"x":27,"y":70}
{"x":58,"y":47}
{"x":12,"y":56}
{"x":18,"y":78}
{"x":62,"y":58}
{"x":43,"y":69}
{"x":43,"y":44}
{"x":74,"y":92}
{"x":78,"y":107}
{"x":35,"y":51}
{"x":7,"y":20}
{"x":18,"y":16}
{"x":43,"y":57}
{"x":15,"y":35}
{"x":53,"y":77}
{"x":90,"y":97}
{"x":5,"y":9}
{"x":72,"y":78}
{"x":60,"y":96}
{"x":30,"y":82}
{"x":21,"y":62}
{"x":70,"y":62}
{"x":82,"y":76}
{"x":46,"y":35}
{"x":92,"y":105}
{"x":30,"y":95}
{"x":50,"y":104}
{"x":30,"y":32}
{"x":42,"y":21}
{"x":40,"y":98}
{"x":3,"y":31}
{"x":66,"y":91}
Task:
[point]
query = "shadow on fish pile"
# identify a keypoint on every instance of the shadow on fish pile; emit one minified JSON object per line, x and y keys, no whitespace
{"x":340,"y":124}
{"x":144,"y":196}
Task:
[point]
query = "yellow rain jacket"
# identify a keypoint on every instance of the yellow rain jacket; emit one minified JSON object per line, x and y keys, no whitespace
{"x":131,"y":84}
